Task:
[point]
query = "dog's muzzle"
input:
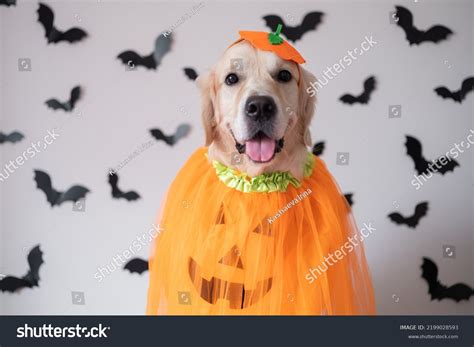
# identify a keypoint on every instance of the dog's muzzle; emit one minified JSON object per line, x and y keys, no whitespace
{"x":260,"y":116}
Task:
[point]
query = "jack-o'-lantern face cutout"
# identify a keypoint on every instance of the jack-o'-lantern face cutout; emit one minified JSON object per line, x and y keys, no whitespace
{"x":229,"y":284}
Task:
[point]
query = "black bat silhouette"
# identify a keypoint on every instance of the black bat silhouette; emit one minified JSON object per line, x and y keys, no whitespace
{"x":8,"y":2}
{"x":46,"y":18}
{"x":181,"y":132}
{"x":67,"y":106}
{"x":414,"y":151}
{"x":420,"y":211}
{"x":12,"y":137}
{"x":295,"y":33}
{"x":137,"y":265}
{"x":190,"y":73}
{"x":404,"y":19}
{"x":348,"y":197}
{"x":54,"y":197}
{"x":459,"y":95}
{"x":117,"y":193}
{"x":456,"y":292}
{"x":369,"y":87}
{"x":31,"y":279}
{"x":318,"y":148}
{"x":151,"y":61}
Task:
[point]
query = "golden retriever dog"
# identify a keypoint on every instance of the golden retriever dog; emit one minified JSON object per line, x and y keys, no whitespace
{"x":256,"y":103}
{"x":255,"y":231}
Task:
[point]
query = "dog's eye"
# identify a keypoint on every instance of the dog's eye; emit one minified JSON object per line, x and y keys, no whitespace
{"x":284,"y":76}
{"x":231,"y":79}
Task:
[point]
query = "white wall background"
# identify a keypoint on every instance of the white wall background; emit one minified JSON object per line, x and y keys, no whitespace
{"x":118,"y":108}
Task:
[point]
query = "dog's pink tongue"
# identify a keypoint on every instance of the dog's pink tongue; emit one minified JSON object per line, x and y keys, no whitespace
{"x":260,"y":149}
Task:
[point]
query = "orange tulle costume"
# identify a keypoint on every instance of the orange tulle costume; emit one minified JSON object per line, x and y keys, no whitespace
{"x":235,"y":245}
{"x":230,"y":245}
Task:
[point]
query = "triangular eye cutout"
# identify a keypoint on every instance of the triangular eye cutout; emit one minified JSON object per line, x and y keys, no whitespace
{"x":232,"y":258}
{"x":263,"y":228}
{"x":221,"y":216}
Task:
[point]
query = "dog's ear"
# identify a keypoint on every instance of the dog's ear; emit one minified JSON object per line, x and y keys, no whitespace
{"x":206,"y":85}
{"x":307,"y":102}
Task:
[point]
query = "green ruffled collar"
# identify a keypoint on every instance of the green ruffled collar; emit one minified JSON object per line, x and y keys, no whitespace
{"x":264,"y":183}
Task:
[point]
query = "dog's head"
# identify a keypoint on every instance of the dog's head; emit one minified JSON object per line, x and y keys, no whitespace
{"x":255,"y":103}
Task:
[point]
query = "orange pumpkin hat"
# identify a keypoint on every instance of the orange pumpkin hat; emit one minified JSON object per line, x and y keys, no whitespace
{"x":271,"y":42}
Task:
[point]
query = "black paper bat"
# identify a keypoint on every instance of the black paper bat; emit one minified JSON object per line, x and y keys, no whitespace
{"x":190,"y":73}
{"x":54,"y":197}
{"x":46,"y":18}
{"x":369,"y":87}
{"x":414,"y":36}
{"x":294,"y":33}
{"x":67,"y":106}
{"x":459,"y":95}
{"x":12,"y":137}
{"x":117,"y":193}
{"x":152,"y":61}
{"x":414,"y":151}
{"x":31,"y":279}
{"x":181,"y":132}
{"x":137,"y":265}
{"x":8,"y":2}
{"x":348,"y":197}
{"x":318,"y":148}
{"x":420,"y":211}
{"x":456,"y":292}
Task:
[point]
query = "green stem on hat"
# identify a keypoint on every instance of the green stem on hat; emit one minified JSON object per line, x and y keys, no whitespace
{"x":278,"y":31}
{"x":275,"y":38}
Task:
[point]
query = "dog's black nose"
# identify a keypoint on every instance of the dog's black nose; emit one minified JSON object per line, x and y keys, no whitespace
{"x":260,"y":108}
